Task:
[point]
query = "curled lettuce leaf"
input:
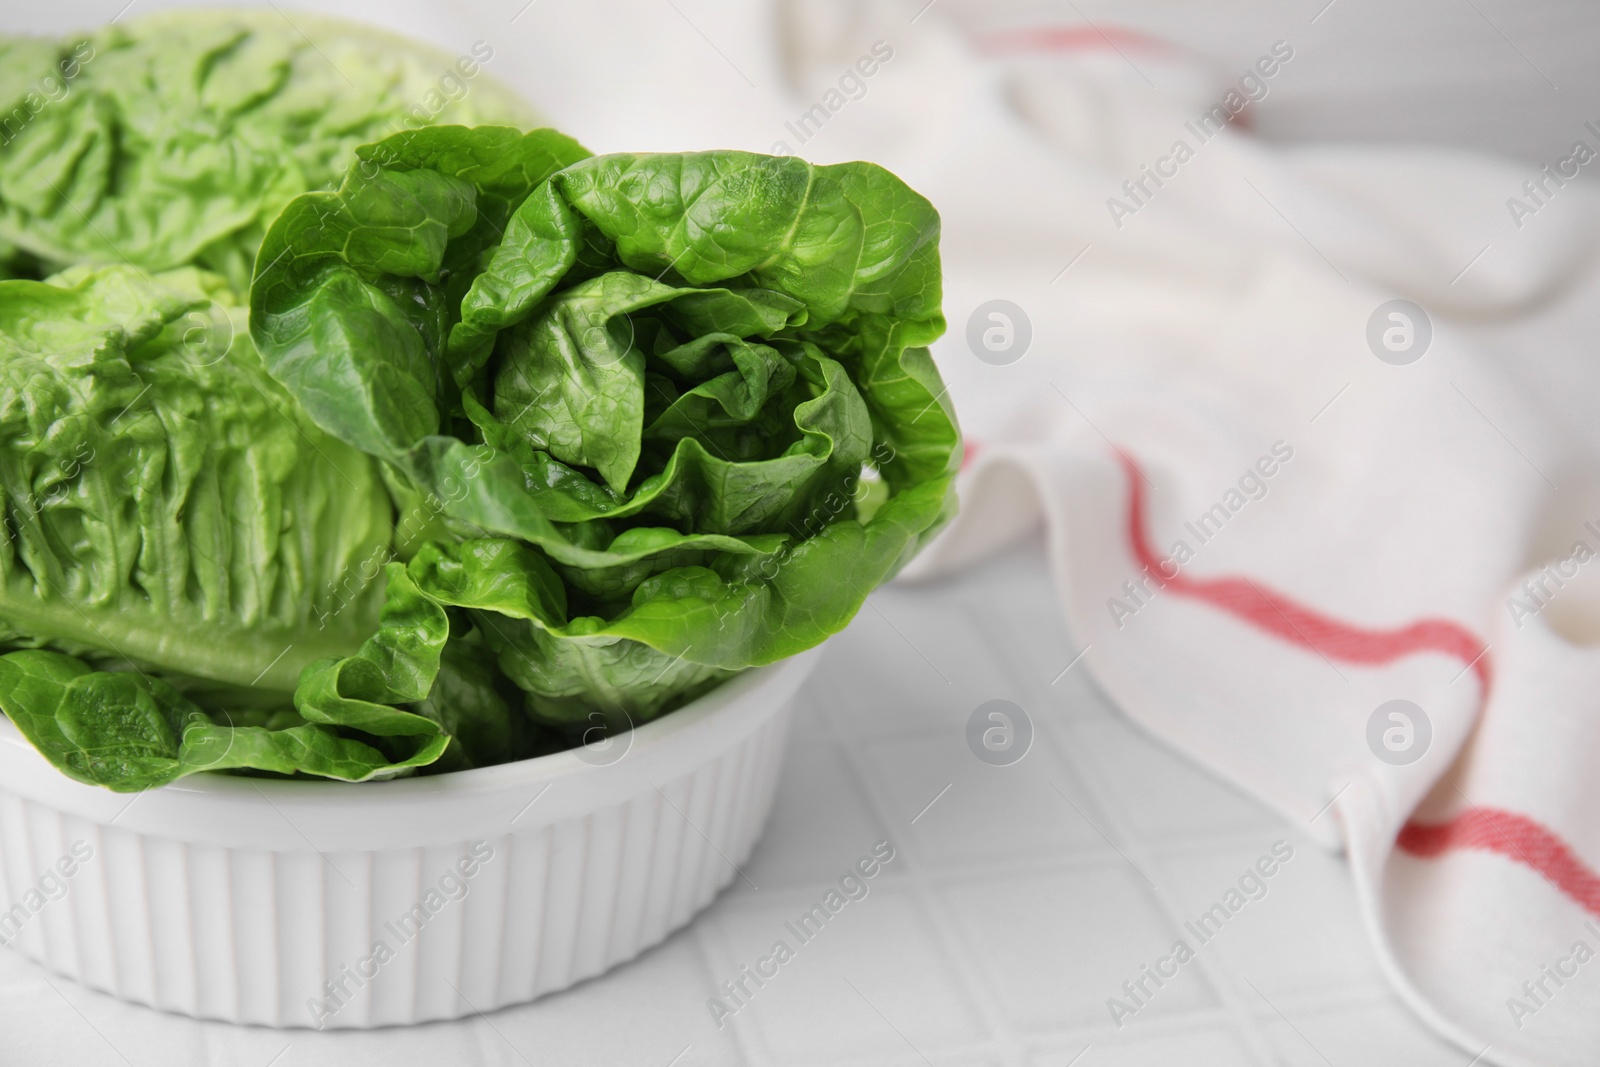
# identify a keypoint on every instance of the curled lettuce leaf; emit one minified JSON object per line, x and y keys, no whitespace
{"x":662,"y":417}
{"x":131,"y":731}
{"x":174,"y":138}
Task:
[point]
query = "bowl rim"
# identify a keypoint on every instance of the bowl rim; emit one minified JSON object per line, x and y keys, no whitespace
{"x":247,"y":812}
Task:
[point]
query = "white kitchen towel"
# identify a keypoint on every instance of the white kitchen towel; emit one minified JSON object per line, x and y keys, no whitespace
{"x":1308,"y":429}
{"x":1317,"y":508}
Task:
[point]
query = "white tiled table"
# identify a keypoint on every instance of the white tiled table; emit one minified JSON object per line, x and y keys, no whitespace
{"x":1017,"y":903}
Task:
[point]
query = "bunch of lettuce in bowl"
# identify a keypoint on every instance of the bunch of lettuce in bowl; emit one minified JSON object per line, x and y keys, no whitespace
{"x":514,"y":471}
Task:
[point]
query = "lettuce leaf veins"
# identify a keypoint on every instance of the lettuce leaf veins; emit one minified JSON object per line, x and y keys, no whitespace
{"x":174,"y":138}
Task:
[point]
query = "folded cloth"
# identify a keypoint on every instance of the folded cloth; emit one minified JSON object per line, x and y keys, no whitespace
{"x":1306,"y":432}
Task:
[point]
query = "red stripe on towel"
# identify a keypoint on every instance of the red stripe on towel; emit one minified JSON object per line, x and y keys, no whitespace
{"x":1277,"y":614}
{"x":1069,"y":39}
{"x":1516,"y":837}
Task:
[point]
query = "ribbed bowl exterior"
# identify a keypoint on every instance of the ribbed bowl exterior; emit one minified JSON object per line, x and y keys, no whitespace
{"x":297,"y":937}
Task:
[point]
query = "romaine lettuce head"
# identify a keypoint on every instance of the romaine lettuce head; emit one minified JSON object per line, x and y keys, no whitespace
{"x":516,"y":439}
{"x":656,"y":418}
{"x":179,"y":541}
{"x":174,"y":138}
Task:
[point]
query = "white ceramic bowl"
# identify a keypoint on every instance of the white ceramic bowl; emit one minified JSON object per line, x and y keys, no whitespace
{"x":300,"y":904}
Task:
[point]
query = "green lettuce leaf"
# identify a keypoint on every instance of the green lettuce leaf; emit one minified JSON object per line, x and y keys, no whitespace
{"x":638,"y":404}
{"x":164,"y":501}
{"x":179,"y":543}
{"x":174,"y":138}
{"x":354,"y":293}
{"x":129,"y":731}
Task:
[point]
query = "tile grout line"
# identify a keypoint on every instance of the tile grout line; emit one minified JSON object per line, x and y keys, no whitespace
{"x":952,"y":944}
{"x":1217,"y":975}
{"x":1221,"y":980}
{"x":699,"y":930}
